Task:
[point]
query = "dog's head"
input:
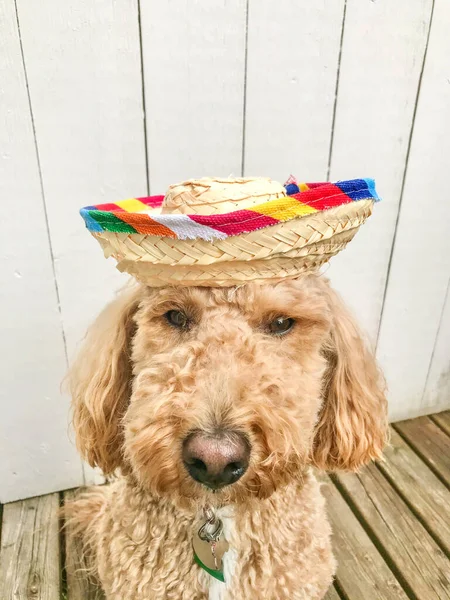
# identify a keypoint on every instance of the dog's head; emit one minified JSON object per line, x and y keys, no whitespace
{"x":235,"y":390}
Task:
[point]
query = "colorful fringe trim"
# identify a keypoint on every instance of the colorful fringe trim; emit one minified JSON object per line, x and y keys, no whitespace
{"x":140,"y":215}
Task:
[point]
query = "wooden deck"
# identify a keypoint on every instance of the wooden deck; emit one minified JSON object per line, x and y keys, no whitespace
{"x":391,"y":528}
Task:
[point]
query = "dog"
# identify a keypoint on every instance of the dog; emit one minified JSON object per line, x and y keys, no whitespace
{"x":225,"y":398}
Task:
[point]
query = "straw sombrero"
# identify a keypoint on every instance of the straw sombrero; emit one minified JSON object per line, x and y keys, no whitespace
{"x":225,"y":232}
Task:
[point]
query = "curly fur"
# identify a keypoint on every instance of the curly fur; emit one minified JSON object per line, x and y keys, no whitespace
{"x":140,"y":386}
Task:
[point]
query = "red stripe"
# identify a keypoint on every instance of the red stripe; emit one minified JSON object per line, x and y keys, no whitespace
{"x":236,"y":222}
{"x":312,"y":186}
{"x":152,"y":201}
{"x":323,"y":197}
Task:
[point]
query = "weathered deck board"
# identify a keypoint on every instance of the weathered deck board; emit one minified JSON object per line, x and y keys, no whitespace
{"x":30,"y":553}
{"x":79,"y":584}
{"x":430,"y":443}
{"x":362,"y":573}
{"x":332,"y":594}
{"x":443,"y":420}
{"x":416,"y":559}
{"x":424,"y":493}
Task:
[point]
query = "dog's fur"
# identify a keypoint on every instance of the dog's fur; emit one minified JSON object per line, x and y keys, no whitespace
{"x":312,"y":397}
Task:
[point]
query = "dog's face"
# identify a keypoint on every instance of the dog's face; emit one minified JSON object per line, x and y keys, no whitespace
{"x":232,"y":391}
{"x":241,"y":371}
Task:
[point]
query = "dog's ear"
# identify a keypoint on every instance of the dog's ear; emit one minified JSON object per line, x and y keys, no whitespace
{"x":100,"y":383}
{"x":352,"y":425}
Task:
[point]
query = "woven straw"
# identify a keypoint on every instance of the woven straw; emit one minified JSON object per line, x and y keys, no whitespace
{"x":224,"y":232}
{"x":284,"y":250}
{"x":208,"y":196}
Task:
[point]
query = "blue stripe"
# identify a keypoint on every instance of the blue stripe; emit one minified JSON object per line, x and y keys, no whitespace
{"x":359,"y":189}
{"x":371,"y":187}
{"x":91,"y":223}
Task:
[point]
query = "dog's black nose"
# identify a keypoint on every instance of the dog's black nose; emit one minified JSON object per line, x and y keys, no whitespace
{"x":216,"y":460}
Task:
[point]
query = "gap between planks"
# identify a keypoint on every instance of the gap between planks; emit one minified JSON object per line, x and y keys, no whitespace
{"x":361,"y":570}
{"x":442,"y":420}
{"x":430,"y":442}
{"x":414,"y":557}
{"x":423,"y":492}
{"x":332,"y":594}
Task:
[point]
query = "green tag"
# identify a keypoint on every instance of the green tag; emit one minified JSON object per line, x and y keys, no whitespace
{"x":216,"y":574}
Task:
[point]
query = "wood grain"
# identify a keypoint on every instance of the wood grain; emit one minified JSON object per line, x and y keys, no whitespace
{"x":29,"y":556}
{"x":419,"y":274}
{"x":443,"y":420}
{"x":80,"y":585}
{"x":293,"y":53}
{"x":419,"y":563}
{"x":37,"y":456}
{"x":374,"y":117}
{"x":332,"y":594}
{"x":362,"y":572}
{"x":419,"y":487}
{"x":430,"y":442}
{"x":194,"y":72}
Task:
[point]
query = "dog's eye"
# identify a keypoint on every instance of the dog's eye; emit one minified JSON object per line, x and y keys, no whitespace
{"x":177,"y":319}
{"x":281,"y":325}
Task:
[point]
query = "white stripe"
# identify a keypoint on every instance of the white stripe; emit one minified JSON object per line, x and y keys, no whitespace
{"x":186,"y":228}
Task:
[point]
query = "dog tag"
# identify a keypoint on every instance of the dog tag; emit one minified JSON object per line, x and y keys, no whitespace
{"x":209,"y":549}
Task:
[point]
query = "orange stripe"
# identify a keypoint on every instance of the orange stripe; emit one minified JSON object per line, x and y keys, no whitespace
{"x":144,"y":224}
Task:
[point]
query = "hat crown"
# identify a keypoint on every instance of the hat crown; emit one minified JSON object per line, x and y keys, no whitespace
{"x":209,"y":196}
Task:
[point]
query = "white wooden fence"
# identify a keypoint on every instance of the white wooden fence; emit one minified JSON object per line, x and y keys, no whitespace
{"x":111,"y":99}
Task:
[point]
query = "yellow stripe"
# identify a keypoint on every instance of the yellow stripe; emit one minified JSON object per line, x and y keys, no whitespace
{"x":283,"y":209}
{"x":132,"y":205}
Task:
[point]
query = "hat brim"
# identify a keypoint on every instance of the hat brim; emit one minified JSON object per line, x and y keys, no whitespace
{"x":143,"y":215}
{"x":279,"y":251}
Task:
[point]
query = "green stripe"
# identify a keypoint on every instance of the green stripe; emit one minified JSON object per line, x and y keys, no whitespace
{"x":217,"y":574}
{"x":110,"y":222}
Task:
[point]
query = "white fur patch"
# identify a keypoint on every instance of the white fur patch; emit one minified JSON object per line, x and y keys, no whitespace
{"x":218,"y":589}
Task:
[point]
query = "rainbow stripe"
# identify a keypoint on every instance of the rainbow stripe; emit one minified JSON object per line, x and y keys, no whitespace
{"x":141,"y":215}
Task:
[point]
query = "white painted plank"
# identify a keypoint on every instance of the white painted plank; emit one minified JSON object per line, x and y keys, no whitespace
{"x":83,"y":64}
{"x":194,"y":66}
{"x":382,"y":56}
{"x":293,"y":51}
{"x":421,"y":262}
{"x":437,"y":389}
{"x":36,"y":454}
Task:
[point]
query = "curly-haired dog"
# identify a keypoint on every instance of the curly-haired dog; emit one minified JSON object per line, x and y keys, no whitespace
{"x":225,"y":398}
